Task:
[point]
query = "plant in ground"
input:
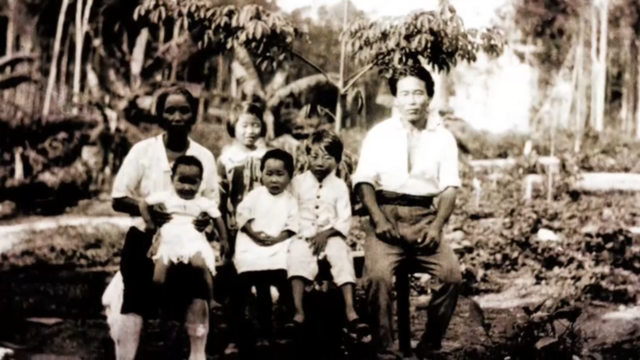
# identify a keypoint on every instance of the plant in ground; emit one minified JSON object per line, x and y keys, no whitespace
{"x":546,"y":331}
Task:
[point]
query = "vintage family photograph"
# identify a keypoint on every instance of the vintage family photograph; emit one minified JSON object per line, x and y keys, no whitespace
{"x":319,"y":179}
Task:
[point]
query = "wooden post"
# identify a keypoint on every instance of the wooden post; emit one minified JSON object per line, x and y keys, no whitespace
{"x":403,"y":307}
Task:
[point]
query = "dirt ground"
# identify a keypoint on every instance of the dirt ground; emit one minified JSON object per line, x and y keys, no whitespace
{"x":51,"y":285}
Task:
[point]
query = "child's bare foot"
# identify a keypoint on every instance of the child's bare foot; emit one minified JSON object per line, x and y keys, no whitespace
{"x":263,"y":343}
{"x":232,"y":349}
{"x":214,"y":305}
{"x":298,"y":318}
{"x":359,"y":329}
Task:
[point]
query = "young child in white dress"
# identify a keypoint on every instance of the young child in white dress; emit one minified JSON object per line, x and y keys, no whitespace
{"x":267,"y":221}
{"x":178,"y":241}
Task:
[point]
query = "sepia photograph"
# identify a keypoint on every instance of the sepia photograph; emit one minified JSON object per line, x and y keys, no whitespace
{"x":319,"y":179}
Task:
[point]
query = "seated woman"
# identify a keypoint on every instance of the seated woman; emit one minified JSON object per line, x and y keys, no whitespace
{"x":147,"y":170}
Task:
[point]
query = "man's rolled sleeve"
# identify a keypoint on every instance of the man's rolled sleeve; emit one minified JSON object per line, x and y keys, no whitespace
{"x":366,"y":169}
{"x":130,"y":174}
{"x":449,"y":170}
{"x":343,"y":211}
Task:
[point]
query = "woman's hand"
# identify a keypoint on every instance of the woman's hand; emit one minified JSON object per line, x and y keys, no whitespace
{"x":159,"y":215}
{"x":202,"y":222}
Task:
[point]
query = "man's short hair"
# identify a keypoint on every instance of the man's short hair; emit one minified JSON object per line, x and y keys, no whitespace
{"x":329,"y":141}
{"x":415,"y":71}
{"x":186,"y":160}
{"x":278,"y":154}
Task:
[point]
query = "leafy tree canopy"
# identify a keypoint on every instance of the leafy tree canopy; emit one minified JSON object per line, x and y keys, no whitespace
{"x":267,"y":35}
{"x":437,"y":37}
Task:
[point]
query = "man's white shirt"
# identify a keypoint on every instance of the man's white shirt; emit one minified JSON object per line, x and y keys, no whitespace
{"x":384,"y":159}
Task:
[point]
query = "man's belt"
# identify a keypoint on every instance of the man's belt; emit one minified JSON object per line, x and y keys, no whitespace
{"x":384,"y":197}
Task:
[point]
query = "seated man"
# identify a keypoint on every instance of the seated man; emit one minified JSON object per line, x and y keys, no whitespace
{"x":405,"y":163}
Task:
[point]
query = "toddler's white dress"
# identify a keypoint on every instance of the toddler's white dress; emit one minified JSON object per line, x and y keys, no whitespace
{"x":178,"y":239}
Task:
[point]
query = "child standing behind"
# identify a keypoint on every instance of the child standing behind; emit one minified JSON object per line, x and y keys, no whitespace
{"x":267,"y":220}
{"x":325,"y":221}
{"x":239,"y":162}
{"x":179,"y":241}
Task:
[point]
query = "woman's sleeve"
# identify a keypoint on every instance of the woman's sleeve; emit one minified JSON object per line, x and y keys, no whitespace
{"x":130,"y":174}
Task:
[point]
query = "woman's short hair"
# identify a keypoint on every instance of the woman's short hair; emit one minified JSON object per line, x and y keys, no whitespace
{"x":161,"y":100}
{"x":329,"y":141}
{"x":254,"y":107}
{"x":186,"y":160}
{"x":414,"y":71}
{"x":278,"y":154}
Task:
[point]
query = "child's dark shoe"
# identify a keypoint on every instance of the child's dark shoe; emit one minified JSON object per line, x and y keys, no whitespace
{"x":292,"y":329}
{"x":359,"y":329}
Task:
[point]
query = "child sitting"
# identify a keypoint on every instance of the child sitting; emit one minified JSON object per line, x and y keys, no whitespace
{"x":178,"y":240}
{"x":325,"y":221}
{"x":267,"y":220}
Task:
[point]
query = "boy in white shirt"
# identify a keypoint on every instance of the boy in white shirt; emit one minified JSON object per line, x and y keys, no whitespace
{"x":325,"y":220}
{"x":178,"y":241}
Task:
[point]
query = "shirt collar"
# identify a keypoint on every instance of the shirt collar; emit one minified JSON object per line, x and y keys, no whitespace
{"x":314,"y":180}
{"x":161,"y":152}
{"x":434,"y":123}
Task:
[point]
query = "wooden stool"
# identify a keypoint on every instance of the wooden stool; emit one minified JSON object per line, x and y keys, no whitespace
{"x":403,"y":310}
{"x":403,"y":304}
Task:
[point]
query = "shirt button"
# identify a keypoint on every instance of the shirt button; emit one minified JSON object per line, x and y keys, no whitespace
{"x":317,"y":206}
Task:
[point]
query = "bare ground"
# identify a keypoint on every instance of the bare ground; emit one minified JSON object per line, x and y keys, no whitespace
{"x":51,"y":283}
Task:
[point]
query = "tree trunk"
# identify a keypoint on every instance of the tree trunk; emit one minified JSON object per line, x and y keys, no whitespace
{"x":77,"y":64}
{"x":251,"y":83}
{"x":175,"y":63}
{"x":594,"y":65}
{"x":54,"y":60}
{"x":581,"y":87}
{"x":221,"y":70}
{"x":627,"y":113}
{"x":343,"y":52}
{"x":64,"y":66}
{"x":161,"y":76}
{"x":638,"y":89}
{"x":137,"y":58}
{"x":11,"y":25}
{"x":601,"y":84}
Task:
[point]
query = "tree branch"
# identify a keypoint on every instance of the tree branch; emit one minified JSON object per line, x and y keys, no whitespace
{"x":316,"y":67}
{"x":352,"y":80}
